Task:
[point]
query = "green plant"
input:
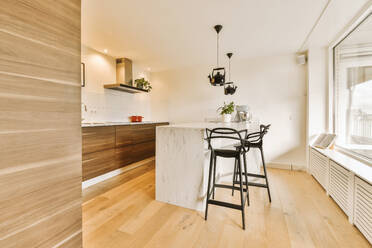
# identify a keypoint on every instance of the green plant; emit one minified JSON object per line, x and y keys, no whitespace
{"x":227,"y":108}
{"x":143,"y":84}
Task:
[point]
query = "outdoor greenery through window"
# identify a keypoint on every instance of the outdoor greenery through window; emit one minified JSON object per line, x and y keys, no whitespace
{"x":353,"y":90}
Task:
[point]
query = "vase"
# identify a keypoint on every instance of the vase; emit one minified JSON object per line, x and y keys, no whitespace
{"x":226,"y":117}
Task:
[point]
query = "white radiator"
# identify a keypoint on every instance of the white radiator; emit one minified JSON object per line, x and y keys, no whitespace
{"x":319,"y":167}
{"x":341,"y":186}
{"x":363,"y":208}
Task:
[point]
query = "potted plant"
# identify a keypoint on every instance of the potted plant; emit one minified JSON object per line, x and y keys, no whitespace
{"x":142,"y":83}
{"x":226,"y":110}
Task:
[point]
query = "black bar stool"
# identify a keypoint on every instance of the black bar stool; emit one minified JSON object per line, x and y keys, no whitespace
{"x":253,"y":140}
{"x":226,"y":134}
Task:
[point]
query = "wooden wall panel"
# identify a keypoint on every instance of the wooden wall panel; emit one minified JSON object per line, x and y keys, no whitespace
{"x":40,"y":133}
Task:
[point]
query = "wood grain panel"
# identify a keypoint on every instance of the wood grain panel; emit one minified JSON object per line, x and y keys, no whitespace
{"x":51,"y":232}
{"x":143,"y":133}
{"x":98,"y":163}
{"x":30,"y":104}
{"x":124,"y":156}
{"x":21,"y":56}
{"x":124,"y":135}
{"x":37,"y":193}
{"x":62,"y":32}
{"x":98,"y":139}
{"x":143,"y":150}
{"x":40,"y":133}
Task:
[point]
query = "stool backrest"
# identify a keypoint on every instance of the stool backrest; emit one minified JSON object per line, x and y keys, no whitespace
{"x":257,"y":137}
{"x":221,"y":133}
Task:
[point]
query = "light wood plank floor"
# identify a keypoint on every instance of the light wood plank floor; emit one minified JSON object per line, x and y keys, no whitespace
{"x":122,"y":212}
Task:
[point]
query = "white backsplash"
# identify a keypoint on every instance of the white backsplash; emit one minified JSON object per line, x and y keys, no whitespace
{"x":105,"y":105}
{"x":114,"y":106}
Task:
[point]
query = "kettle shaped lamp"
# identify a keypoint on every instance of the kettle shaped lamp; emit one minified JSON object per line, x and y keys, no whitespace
{"x":217,"y":77}
{"x":230,"y":88}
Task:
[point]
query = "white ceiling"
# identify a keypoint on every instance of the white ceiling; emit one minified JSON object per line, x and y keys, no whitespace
{"x":164,"y":34}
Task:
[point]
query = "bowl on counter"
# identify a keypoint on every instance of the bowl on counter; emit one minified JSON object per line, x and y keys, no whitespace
{"x":136,"y":118}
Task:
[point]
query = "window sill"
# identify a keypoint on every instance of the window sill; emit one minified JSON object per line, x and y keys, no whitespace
{"x":361,"y":169}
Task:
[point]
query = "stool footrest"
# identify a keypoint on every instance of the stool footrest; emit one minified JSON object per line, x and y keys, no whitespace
{"x":254,"y":175}
{"x":225,"y":204}
{"x":252,"y":184}
{"x":228,"y":187}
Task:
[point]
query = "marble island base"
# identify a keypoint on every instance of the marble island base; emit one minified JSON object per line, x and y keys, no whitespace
{"x":182,"y":163}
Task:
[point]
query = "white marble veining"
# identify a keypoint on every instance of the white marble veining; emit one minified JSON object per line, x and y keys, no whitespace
{"x":182,"y":162}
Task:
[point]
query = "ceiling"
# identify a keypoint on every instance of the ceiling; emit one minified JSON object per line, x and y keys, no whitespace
{"x":166,"y":34}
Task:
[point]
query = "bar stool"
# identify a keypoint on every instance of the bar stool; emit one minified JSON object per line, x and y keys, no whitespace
{"x":232,"y":135}
{"x":253,"y":140}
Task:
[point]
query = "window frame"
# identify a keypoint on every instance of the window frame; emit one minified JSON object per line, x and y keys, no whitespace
{"x":356,"y":22}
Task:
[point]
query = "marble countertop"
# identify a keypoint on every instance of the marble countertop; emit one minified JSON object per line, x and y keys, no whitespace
{"x":104,"y":124}
{"x":211,"y":125}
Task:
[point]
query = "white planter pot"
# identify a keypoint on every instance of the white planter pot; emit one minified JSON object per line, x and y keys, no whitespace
{"x":226,"y":118}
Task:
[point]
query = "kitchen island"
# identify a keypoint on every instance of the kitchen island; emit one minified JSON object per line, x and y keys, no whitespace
{"x":182,"y":162}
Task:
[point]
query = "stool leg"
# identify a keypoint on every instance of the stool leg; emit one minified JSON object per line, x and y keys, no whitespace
{"x":214,"y":175}
{"x":264,"y":167}
{"x":209,"y":184}
{"x":234,"y":176}
{"x":241,"y":191}
{"x":246,"y":175}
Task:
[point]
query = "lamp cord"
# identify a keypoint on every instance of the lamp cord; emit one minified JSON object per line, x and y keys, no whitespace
{"x":218,"y":47}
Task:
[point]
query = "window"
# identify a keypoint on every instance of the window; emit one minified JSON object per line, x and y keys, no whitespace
{"x":353,"y":90}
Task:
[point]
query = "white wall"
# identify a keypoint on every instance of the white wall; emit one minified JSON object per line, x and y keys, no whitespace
{"x":274,"y":87}
{"x":109,"y":105}
{"x":317,"y":91}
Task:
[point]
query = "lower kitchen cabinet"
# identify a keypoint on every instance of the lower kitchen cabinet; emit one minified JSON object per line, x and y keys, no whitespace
{"x":108,"y":148}
{"x":144,"y":150}
{"x":98,"y":163}
{"x":124,"y":156}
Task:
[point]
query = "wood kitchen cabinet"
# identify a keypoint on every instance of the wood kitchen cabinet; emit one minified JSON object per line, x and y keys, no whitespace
{"x":98,"y":139}
{"x":98,"y":163}
{"x":108,"y":148}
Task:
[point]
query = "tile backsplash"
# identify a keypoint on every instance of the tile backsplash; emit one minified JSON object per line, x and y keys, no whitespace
{"x":105,"y":105}
{"x":113,"y":106}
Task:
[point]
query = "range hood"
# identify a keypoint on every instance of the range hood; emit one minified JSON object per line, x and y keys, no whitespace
{"x":124,"y":77}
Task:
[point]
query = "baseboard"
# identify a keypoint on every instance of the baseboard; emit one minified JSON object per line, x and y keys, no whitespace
{"x":285,"y":166}
{"x":116,"y":172}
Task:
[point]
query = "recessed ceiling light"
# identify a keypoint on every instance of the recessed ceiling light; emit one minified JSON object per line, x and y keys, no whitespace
{"x":105,"y":50}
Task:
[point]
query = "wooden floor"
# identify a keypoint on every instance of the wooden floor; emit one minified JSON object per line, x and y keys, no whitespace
{"x":300,"y":215}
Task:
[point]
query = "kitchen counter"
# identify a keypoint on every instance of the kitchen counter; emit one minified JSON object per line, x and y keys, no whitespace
{"x":106,"y":124}
{"x":182,"y":162}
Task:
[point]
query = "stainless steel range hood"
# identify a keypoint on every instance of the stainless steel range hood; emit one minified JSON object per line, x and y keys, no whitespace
{"x":124,"y":77}
{"x":124,"y":72}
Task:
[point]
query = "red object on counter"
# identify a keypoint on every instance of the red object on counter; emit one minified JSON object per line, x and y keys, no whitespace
{"x":136,"y":118}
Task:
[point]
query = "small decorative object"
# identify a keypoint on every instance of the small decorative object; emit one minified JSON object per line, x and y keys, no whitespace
{"x":231,"y":88}
{"x":136,"y":118}
{"x":226,"y":110}
{"x":142,"y":83}
{"x":217,"y":78}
